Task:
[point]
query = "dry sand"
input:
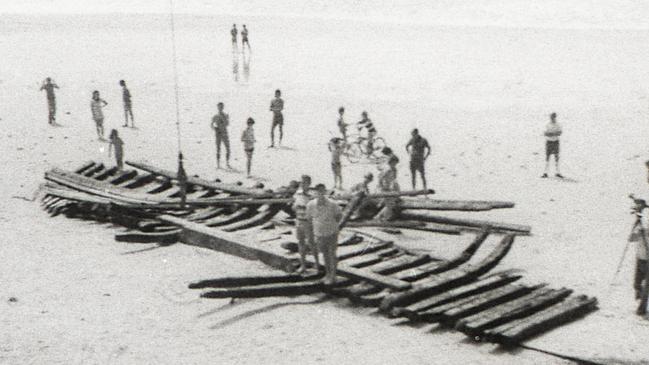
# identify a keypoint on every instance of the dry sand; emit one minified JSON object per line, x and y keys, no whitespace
{"x":480,"y":95}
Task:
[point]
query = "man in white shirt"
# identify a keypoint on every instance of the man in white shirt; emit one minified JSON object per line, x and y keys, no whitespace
{"x":552,"y":133}
{"x":303,"y":226}
{"x":325,"y":215}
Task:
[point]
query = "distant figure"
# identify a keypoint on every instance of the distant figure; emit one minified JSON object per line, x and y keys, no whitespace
{"x":303,"y":227}
{"x":246,"y":66}
{"x":276,"y":106}
{"x":366,"y":123}
{"x":96,"y":106}
{"x":324,"y":216}
{"x":128,"y":106}
{"x":419,"y":150}
{"x":117,"y":142}
{"x":639,"y":235}
{"x":220,"y":125}
{"x":336,"y":149}
{"x":248,"y":139}
{"x":365,"y":185}
{"x":234,"y":33}
{"x":244,"y":37}
{"x":49,"y":86}
{"x":181,"y":175}
{"x":342,"y":126}
{"x":552,"y":133}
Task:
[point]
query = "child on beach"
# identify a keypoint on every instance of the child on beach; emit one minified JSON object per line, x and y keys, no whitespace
{"x":336,"y":148}
{"x":128,"y":106}
{"x":248,"y":139}
{"x":117,"y":142}
{"x":96,"y":105}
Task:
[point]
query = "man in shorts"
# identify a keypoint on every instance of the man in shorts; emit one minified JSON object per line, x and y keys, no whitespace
{"x":303,"y":227}
{"x":96,"y":105}
{"x":325,"y":215}
{"x":276,"y":106}
{"x":419,"y":150}
{"x":336,"y":149}
{"x":128,"y":106}
{"x":220,"y":125}
{"x":49,"y":87}
{"x":342,"y":126}
{"x":234,"y":33}
{"x":244,"y":37}
{"x":248,"y":139}
{"x":552,"y":133}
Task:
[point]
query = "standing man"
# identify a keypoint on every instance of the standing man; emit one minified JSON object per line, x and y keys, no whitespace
{"x":325,"y":215}
{"x":366,"y":123}
{"x":336,"y":149}
{"x":234,"y":33}
{"x":419,"y":150}
{"x":342,"y":126}
{"x":303,"y":227}
{"x":128,"y":107}
{"x":244,"y":37}
{"x":220,"y":125}
{"x":276,"y":106}
{"x":49,"y":87}
{"x":552,"y":133}
{"x":96,"y":105}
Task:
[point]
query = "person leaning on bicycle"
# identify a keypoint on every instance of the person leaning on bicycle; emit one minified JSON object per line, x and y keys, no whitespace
{"x":371,"y":131}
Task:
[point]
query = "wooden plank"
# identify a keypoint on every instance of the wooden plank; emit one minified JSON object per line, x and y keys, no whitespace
{"x":437,"y":267}
{"x":464,"y":291}
{"x":149,"y":237}
{"x":346,"y":252}
{"x":415,"y":215}
{"x":229,"y":282}
{"x":404,"y":262}
{"x":267,"y":290}
{"x":459,"y":205}
{"x":205,"y":213}
{"x":519,"y":308}
{"x":451,"y":312}
{"x":257,"y":219}
{"x":370,"y":258}
{"x":122,"y":177}
{"x":231,"y":188}
{"x":545,"y":320}
{"x":386,"y":224}
{"x":449,"y":279}
{"x":87,"y":165}
{"x":238,"y":215}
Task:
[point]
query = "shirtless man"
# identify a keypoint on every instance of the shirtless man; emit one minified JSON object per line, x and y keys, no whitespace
{"x":276,"y":106}
{"x":419,"y":151}
{"x":220,"y":126}
{"x":234,"y":33}
{"x":244,"y":37}
{"x":303,"y":226}
{"x":49,"y":87}
{"x":342,"y":126}
{"x":128,"y":106}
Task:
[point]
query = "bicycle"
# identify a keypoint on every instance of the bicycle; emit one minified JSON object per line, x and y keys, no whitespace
{"x":359,"y":148}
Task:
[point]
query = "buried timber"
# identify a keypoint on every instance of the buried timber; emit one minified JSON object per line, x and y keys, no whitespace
{"x":255,"y":223}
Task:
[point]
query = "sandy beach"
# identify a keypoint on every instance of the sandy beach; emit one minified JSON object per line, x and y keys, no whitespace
{"x":481,"y":95}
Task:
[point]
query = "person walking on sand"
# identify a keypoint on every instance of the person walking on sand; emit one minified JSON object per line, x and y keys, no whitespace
{"x":233,"y":33}
{"x":248,"y":139}
{"x":419,"y":150}
{"x":220,"y":124}
{"x":639,"y":236}
{"x":342,"y":126}
{"x":336,"y":149}
{"x":324,"y":216}
{"x":118,"y":144}
{"x":552,"y":133}
{"x":244,"y":37}
{"x":49,"y":86}
{"x":276,"y":106}
{"x":303,"y":227}
{"x":366,"y":123}
{"x":96,"y":105}
{"x":128,"y":106}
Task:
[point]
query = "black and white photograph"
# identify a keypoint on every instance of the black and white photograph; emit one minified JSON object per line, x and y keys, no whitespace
{"x":324,"y":182}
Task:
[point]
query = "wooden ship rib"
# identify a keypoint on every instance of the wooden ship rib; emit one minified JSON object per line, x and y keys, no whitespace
{"x":458,"y":292}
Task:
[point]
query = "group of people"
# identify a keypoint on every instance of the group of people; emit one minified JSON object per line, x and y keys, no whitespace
{"x":244,"y":36}
{"x":96,"y":108}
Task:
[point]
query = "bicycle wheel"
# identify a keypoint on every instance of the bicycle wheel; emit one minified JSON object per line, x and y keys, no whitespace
{"x":354,"y":153}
